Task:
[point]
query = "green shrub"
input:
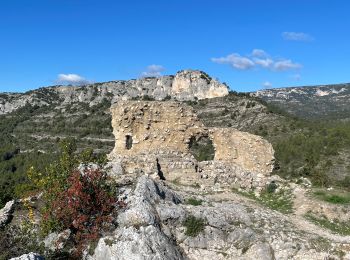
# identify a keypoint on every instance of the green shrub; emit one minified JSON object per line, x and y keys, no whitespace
{"x":84,"y":207}
{"x":202,"y":148}
{"x":333,"y":198}
{"x":73,"y":200}
{"x":194,"y":202}
{"x":193,"y":226}
{"x":271,"y":187}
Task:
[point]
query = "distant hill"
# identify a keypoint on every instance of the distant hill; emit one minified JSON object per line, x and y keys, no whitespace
{"x":312,"y":102}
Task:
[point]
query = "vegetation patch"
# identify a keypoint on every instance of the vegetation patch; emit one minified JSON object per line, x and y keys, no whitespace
{"x":342,"y":228}
{"x":281,"y":200}
{"x":333,"y":197}
{"x":79,"y":200}
{"x":202,"y":148}
{"x":193,"y":226}
{"x":194,"y":202}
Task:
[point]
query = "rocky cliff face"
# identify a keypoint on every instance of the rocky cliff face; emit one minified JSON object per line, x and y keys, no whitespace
{"x":185,"y":85}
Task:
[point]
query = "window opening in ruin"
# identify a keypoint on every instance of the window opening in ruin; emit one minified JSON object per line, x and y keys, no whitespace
{"x":202,"y":148}
{"x":128,"y":142}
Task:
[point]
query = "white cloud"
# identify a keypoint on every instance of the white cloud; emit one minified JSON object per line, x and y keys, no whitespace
{"x":283,"y":65}
{"x":257,"y":58}
{"x":236,"y":61}
{"x":259,"y":53}
{"x":153,"y":71}
{"x":297,"y":36}
{"x":265,"y":63}
{"x":267,"y":84}
{"x":71,"y":79}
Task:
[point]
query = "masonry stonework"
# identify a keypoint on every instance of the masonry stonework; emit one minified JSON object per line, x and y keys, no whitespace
{"x":152,"y":137}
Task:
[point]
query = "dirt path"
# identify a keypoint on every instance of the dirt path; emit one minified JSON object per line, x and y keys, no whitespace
{"x":302,"y":204}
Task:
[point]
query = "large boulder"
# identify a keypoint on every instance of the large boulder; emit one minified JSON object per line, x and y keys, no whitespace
{"x":30,"y":256}
{"x":6,"y":213}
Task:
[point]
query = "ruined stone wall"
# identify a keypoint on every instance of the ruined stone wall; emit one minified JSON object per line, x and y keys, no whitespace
{"x":153,"y":137}
{"x":155,"y":127}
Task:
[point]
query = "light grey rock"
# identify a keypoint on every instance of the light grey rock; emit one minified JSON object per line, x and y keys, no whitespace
{"x":55,"y":241}
{"x":185,"y":85}
{"x":115,"y":169}
{"x":6,"y":212}
{"x":143,"y":243}
{"x":261,"y":251}
{"x":139,"y":235}
{"x":30,"y":256}
{"x":141,"y":210}
{"x":88,"y":167}
{"x":152,"y":227}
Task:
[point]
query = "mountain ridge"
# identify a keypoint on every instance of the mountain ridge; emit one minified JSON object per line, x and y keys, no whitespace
{"x":184,"y":85}
{"x":311,"y":102}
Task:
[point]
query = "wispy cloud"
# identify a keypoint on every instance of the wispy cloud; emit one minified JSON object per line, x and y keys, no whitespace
{"x":284,"y":65}
{"x":153,"y":71}
{"x":236,"y":61}
{"x":265,"y":63}
{"x":267,"y":84}
{"x":297,"y":36}
{"x":257,"y":59}
{"x":71,"y":79}
{"x":259,"y":53}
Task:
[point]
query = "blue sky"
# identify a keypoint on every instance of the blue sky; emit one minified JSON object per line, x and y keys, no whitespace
{"x":250,"y":44}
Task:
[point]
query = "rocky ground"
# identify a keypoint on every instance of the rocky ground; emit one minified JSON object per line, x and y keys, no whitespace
{"x":234,"y":227}
{"x":166,"y":220}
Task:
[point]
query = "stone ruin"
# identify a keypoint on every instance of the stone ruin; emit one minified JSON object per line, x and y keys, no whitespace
{"x":168,"y":141}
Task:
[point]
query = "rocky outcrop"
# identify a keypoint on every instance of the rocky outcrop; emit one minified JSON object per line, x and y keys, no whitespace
{"x":6,"y":213}
{"x":198,"y":85}
{"x":30,"y":256}
{"x":140,"y":235}
{"x":152,"y":227}
{"x":156,"y":137}
{"x":185,"y":85}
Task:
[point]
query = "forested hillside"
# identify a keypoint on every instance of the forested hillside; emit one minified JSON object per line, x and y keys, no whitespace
{"x":317,"y":149}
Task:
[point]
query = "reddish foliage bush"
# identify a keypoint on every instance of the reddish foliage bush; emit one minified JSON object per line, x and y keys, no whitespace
{"x":84,"y":206}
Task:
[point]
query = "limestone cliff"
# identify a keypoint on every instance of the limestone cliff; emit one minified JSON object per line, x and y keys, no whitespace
{"x":185,"y":85}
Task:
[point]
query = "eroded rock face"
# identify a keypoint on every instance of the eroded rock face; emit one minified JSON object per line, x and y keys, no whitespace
{"x":200,"y":85}
{"x":139,"y":235}
{"x":154,"y":137}
{"x":185,"y":85}
{"x":6,"y":212}
{"x":30,"y":256}
{"x":152,"y":227}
